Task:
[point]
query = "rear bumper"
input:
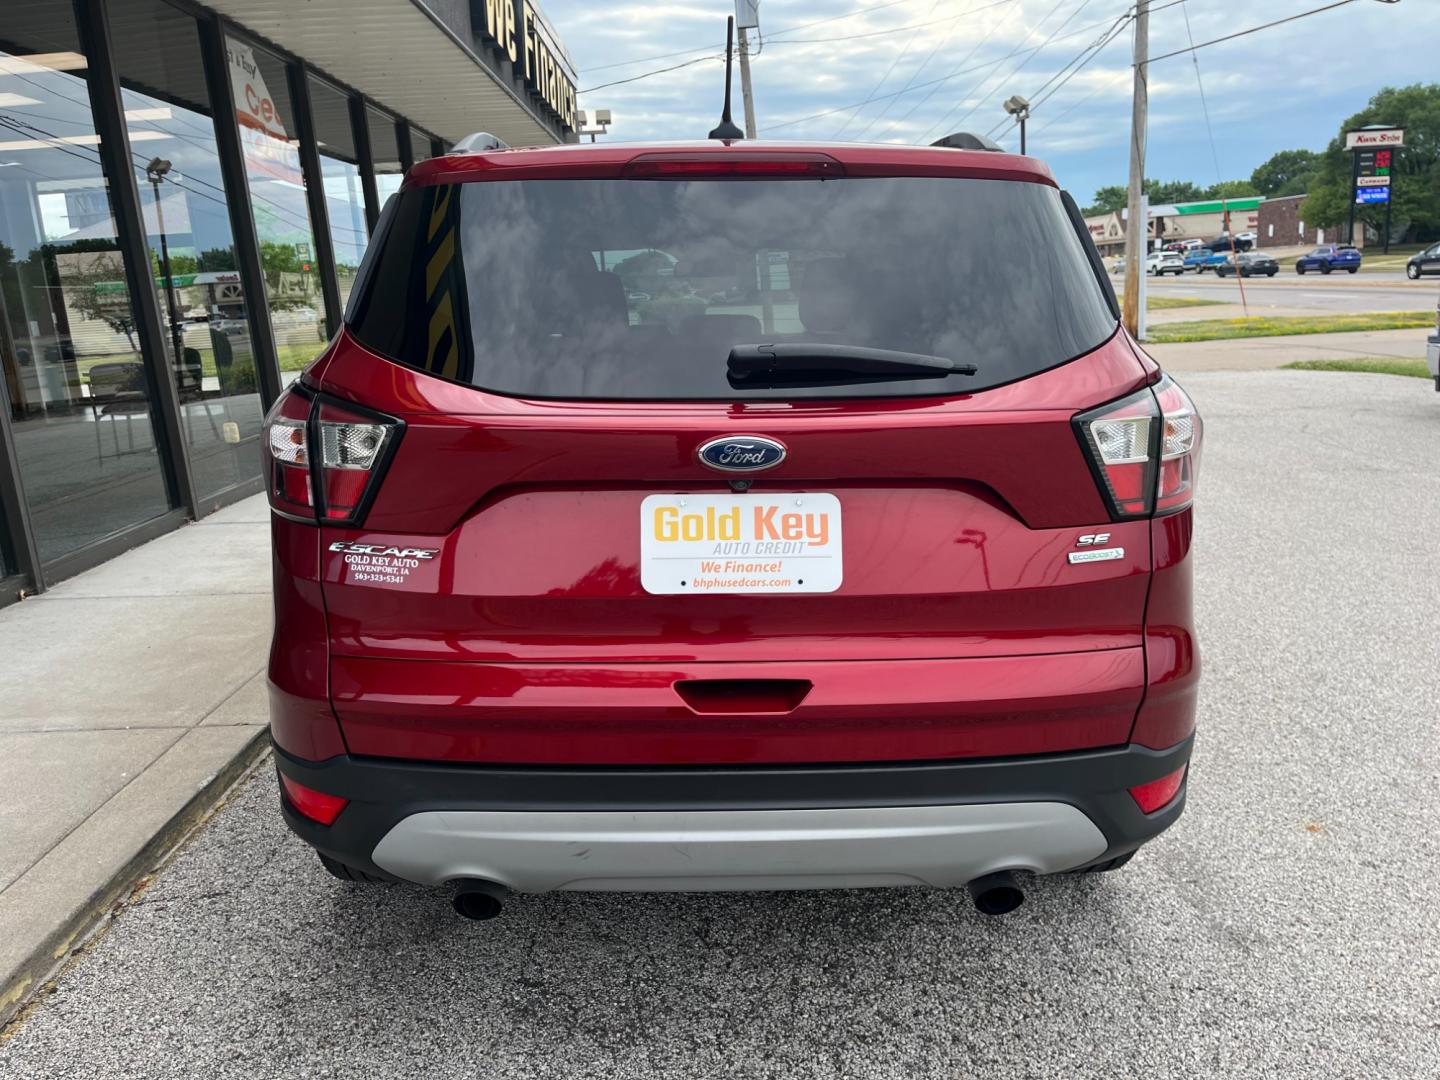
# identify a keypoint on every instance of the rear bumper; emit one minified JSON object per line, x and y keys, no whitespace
{"x":541,"y":828}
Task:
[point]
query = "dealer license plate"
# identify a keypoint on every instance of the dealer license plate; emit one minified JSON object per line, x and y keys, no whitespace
{"x":776,"y":543}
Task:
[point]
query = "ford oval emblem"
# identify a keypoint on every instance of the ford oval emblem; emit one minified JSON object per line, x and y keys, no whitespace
{"x":741,"y":453}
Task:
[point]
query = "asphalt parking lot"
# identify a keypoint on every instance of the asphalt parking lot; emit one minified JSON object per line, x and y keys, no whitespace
{"x":1287,"y":927}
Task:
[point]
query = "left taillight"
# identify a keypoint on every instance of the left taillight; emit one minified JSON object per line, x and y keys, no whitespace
{"x":286,"y":453}
{"x":1145,"y":450}
{"x":324,"y":457}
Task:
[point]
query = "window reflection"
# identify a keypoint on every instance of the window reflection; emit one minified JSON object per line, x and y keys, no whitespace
{"x":77,"y":385}
{"x":385,"y":153}
{"x":187,"y":229}
{"x":340,"y":173}
{"x":277,"y":195}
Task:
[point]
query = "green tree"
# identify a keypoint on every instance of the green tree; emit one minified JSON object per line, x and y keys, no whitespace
{"x":1107,"y":200}
{"x":1173,"y":191}
{"x":1415,"y":184}
{"x":1288,"y":172}
{"x":1116,"y":197}
{"x":1232,"y":189}
{"x":217,"y":259}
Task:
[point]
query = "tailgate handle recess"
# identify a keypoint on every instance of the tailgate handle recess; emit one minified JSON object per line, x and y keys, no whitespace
{"x":775,"y":696}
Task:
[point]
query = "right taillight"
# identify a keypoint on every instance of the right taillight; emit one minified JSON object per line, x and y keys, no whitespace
{"x":1179,"y":447}
{"x":1144,"y":449}
{"x":323,"y":457}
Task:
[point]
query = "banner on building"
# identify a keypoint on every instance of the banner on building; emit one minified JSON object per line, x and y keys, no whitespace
{"x":266,"y":144}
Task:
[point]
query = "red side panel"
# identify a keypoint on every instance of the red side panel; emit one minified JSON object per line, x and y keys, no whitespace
{"x":1171,"y":657}
{"x":301,"y":720}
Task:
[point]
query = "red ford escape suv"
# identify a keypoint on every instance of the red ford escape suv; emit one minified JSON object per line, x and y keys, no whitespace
{"x":713,"y":516}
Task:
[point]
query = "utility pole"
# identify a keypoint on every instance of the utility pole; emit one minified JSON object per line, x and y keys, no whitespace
{"x":745,"y":91}
{"x":1136,"y":227}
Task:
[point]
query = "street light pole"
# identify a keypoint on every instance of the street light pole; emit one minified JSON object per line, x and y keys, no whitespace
{"x":155,"y":171}
{"x":1135,"y":227}
{"x":1019,"y":108}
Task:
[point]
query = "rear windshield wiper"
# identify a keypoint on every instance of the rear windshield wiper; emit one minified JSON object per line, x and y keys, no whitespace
{"x":805,"y":362}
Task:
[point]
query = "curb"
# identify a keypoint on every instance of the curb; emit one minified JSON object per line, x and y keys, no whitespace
{"x":55,"y":951}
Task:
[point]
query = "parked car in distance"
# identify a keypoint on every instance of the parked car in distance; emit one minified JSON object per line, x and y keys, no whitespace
{"x":1202,"y":259}
{"x":1226,"y":243}
{"x":1248,"y":263}
{"x":616,"y":595}
{"x":1329,"y":257}
{"x":1117,"y":265}
{"x":1245,"y":241}
{"x":1160,"y":263}
{"x":1174,"y":245}
{"x":1426,"y":262}
{"x":1191,"y":243}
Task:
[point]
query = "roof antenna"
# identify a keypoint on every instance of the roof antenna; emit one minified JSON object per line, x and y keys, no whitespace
{"x":726,"y":129}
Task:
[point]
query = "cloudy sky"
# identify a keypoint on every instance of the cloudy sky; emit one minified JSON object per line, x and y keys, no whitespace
{"x":913,"y":70}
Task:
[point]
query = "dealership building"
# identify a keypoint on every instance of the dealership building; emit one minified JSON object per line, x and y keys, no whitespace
{"x":186,"y":191}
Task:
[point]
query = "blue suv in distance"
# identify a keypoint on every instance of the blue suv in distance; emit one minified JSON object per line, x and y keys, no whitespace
{"x":1202,"y":259}
{"x":1328,"y":257}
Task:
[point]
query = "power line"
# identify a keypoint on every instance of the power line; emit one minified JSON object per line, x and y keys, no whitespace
{"x":959,"y":71}
{"x":888,"y":71}
{"x":946,"y":122}
{"x":1081,"y":60}
{"x":882,"y":97}
{"x":1215,"y":157}
{"x":786,"y":30}
{"x":648,"y":74}
{"x":939,"y":44}
{"x":935,"y":89}
{"x":1252,"y":30}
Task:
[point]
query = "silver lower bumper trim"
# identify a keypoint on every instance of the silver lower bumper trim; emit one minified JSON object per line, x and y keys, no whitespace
{"x":942,"y":846}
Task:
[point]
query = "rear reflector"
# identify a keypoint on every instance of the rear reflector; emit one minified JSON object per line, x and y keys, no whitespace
{"x":315,"y":805}
{"x":736,"y":163}
{"x":1144,"y":450}
{"x":1158,"y":793}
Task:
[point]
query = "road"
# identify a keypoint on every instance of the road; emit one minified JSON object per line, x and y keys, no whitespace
{"x":1287,"y":927}
{"x":1335,"y":295}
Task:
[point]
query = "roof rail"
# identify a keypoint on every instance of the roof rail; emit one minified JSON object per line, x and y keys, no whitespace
{"x":477,"y":142}
{"x":963,"y":140}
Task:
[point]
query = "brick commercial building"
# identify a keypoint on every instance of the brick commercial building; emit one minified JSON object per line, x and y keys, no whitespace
{"x":1282,"y":224}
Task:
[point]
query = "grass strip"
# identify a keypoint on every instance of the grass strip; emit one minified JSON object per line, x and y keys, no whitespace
{"x":1166,"y":303}
{"x":1375,"y":365}
{"x":1277,"y":326}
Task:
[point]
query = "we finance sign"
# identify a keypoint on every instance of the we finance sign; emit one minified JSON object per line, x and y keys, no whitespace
{"x":520,"y":31}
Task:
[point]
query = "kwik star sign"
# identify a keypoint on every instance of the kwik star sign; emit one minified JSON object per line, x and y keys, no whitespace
{"x":1374,"y":150}
{"x":1374,"y":138}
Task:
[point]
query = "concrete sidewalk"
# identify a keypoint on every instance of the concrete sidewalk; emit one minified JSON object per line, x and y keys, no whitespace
{"x":129,"y":697}
{"x":1260,"y":353}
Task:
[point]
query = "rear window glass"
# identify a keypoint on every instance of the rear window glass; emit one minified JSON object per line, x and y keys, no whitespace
{"x":638,"y":289}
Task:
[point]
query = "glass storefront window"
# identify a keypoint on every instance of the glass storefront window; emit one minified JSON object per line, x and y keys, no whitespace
{"x":384,"y":153}
{"x":187,"y":229}
{"x":77,"y":385}
{"x":277,"y":196}
{"x":340,"y":174}
{"x":419,"y":146}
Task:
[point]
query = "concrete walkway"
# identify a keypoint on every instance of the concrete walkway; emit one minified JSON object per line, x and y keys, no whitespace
{"x":129,"y":697}
{"x":1256,"y":354}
